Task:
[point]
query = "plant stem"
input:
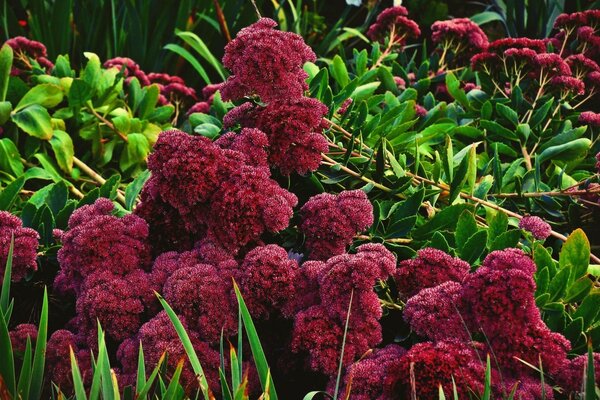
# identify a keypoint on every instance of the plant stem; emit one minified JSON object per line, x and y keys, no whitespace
{"x":95,"y":176}
{"x":108,"y":123}
{"x":222,"y":21}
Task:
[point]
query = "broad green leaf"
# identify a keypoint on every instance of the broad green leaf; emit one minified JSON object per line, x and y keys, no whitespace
{"x":135,"y":152}
{"x":474,"y":247}
{"x":465,"y":228}
{"x":540,"y":114}
{"x":453,"y":85}
{"x":508,"y":113}
{"x":496,"y":128}
{"x":567,"y":151}
{"x":575,"y":255}
{"x":134,"y":188}
{"x":10,"y":159}
{"x":589,"y":309}
{"x":497,"y":222}
{"x":6,"y":60}
{"x":35,"y":121}
{"x":506,"y":240}
{"x":63,"y":150}
{"x":558,"y":284}
{"x":339,"y":72}
{"x":5,"y":110}
{"x":485,"y":17}
{"x":46,"y":95}
{"x":578,"y":290}
{"x":9,"y":194}
{"x":79,"y":93}
{"x":445,"y":219}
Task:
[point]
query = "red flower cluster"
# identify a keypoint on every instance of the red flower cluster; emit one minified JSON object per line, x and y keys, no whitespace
{"x":430,"y":268}
{"x":99,"y":242}
{"x":25,"y":246}
{"x":19,"y":335}
{"x":461,"y":35}
{"x":393,"y":22}
{"x":539,"y":228}
{"x":58,"y":361}
{"x":266,"y":62}
{"x":331,"y":221}
{"x":27,"y":55}
{"x":221,"y":192}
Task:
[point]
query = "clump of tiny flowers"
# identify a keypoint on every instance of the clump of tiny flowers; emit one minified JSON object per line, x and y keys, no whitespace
{"x":394,"y":24}
{"x":331,"y":221}
{"x":539,"y":228}
{"x":460,"y":35}
{"x":25,"y":246}
{"x":28,"y":54}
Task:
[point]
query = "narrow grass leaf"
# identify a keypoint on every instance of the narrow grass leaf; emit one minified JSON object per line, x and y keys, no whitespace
{"x":25,"y":375}
{"x":441,"y":395}
{"x":590,"y":377}
{"x":39,"y":358}
{"x":7,"y":361}
{"x":487,"y":388}
{"x":224,"y":386}
{"x":77,"y":380}
{"x":175,"y":48}
{"x":339,"y":374}
{"x":187,"y":345}
{"x":5,"y":291}
{"x":143,"y":392}
{"x":257,"y":351}
{"x":141,"y":370}
{"x":172,"y":388}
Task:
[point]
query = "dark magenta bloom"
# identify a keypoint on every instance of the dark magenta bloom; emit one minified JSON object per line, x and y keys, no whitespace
{"x":570,"y":377}
{"x":435,"y":313}
{"x":461,"y":33}
{"x":19,"y":335}
{"x":330,"y":221}
{"x":267,"y":280}
{"x":369,"y":377}
{"x":201,"y":295}
{"x":26,"y":50}
{"x":97,"y":241}
{"x":58,"y":364}
{"x":393,"y":19}
{"x":429,"y":268}
{"x":252,"y":144}
{"x":266,"y":62}
{"x":130,"y":69}
{"x":25,"y":246}
{"x":539,"y":228}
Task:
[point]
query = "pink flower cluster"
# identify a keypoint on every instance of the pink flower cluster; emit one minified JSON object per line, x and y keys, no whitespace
{"x":394,"y":21}
{"x":205,"y":189}
{"x":25,"y":246}
{"x":461,"y":35}
{"x":331,"y":221}
{"x":268,"y":63}
{"x":539,"y":228}
{"x":27,"y":55}
{"x":468,"y":317}
{"x":173,"y":89}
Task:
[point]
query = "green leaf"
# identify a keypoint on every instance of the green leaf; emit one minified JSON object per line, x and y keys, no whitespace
{"x":567,"y":151}
{"x":508,"y":113}
{"x":5,"y":110}
{"x":134,"y":188}
{"x":497,"y":224}
{"x":578,"y":290}
{"x":542,"y":280}
{"x":109,"y":188}
{"x":10,"y":159}
{"x":496,"y":128}
{"x":590,"y":376}
{"x":10,"y":193}
{"x":6,"y":60}
{"x":48,"y":166}
{"x":25,"y":374}
{"x":7,"y":362}
{"x":186,"y":55}
{"x":57,"y":196}
{"x":386,"y":77}
{"x":465,"y":228}
{"x":485,"y":17}
{"x":62,"y":145}
{"x":6,"y":279}
{"x":454,"y":89}
{"x":262,"y":367}
{"x":543,"y":259}
{"x":339,"y":72}
{"x":506,"y":240}
{"x":540,"y":114}
{"x":445,"y":219}
{"x":35,"y":121}
{"x":575,"y":255}
{"x":589,"y":309}
{"x":474,"y":247}
{"x":77,"y":379}
{"x":46,"y":95}
{"x":135,"y":152}
{"x":196,"y":43}
{"x":558,"y":284}
{"x":79,"y":93}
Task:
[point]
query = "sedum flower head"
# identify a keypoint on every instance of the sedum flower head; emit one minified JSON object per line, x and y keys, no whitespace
{"x":266,"y":62}
{"x":330,"y":221}
{"x":539,"y":228}
{"x":429,"y":268}
{"x":25,"y":246}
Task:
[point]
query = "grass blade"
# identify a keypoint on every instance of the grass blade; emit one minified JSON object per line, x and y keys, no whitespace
{"x":141,"y":370}
{"x":235,"y":370}
{"x":77,"y":380}
{"x":5,"y":291}
{"x":224,"y":386}
{"x":590,"y":377}
{"x":441,"y":395}
{"x":198,"y":44}
{"x":172,"y":388}
{"x":339,"y":374}
{"x":187,"y":345}
{"x":25,"y":375}
{"x":487,"y":389}
{"x":39,"y":358}
{"x":257,"y":351}
{"x":7,"y":361}
{"x":143,"y":392}
{"x":189,"y":58}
